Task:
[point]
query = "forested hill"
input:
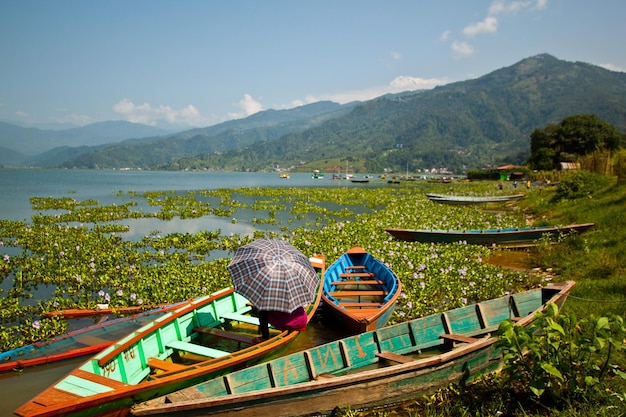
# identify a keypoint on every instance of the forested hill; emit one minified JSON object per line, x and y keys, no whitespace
{"x":467,"y":124}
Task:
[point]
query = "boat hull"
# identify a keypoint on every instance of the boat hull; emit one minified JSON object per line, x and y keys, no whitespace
{"x":75,"y":344}
{"x":391,"y":364}
{"x":510,"y":236}
{"x":465,"y":200}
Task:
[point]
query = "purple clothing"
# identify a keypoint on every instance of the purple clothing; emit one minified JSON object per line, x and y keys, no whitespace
{"x":296,"y":320}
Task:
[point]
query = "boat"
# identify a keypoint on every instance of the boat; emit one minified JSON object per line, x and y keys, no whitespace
{"x":465,"y":199}
{"x":203,"y":338}
{"x":285,"y":175}
{"x":317,"y":175}
{"x":383,"y":366}
{"x":514,"y":236}
{"x":77,"y":343}
{"x":360,"y":291}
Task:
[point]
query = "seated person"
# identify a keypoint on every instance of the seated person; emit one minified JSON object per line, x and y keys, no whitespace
{"x":296,"y":320}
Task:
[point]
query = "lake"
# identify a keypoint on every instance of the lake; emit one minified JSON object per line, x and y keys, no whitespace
{"x":18,"y":186}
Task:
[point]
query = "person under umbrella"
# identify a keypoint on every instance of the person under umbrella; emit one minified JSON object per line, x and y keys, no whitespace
{"x":278,"y":279}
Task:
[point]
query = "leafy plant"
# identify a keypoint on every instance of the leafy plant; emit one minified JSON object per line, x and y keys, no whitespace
{"x":558,"y":358}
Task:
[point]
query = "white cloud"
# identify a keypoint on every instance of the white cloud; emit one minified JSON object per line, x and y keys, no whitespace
{"x":462,"y":49}
{"x":396,"y":55}
{"x":148,"y":115}
{"x":397,"y":85}
{"x":445,"y":36}
{"x":488,"y":25}
{"x":248,"y":105}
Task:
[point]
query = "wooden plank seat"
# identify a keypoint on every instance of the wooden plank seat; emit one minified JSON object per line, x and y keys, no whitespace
{"x":197,"y":349}
{"x":238,"y":337}
{"x":394,"y":357}
{"x":363,"y":304}
{"x":458,"y":338}
{"x":241,"y":317}
{"x":357,"y":293}
{"x":357,"y":275}
{"x":358,"y":282}
{"x":350,"y":267}
{"x":162,"y":365}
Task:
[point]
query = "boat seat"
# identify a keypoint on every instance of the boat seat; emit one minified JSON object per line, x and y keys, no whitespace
{"x":241,"y":317}
{"x":197,"y":349}
{"x":358,"y":282}
{"x":458,"y":338}
{"x":394,"y":357}
{"x":357,"y":293}
{"x":350,"y":267}
{"x":357,"y":304}
{"x":238,"y":337}
{"x":357,"y":275}
{"x":166,"y":366}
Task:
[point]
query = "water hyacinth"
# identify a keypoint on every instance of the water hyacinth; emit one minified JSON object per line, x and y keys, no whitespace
{"x":169,"y":267}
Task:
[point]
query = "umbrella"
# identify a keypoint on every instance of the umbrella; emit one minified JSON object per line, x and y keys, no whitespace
{"x":273,"y":275}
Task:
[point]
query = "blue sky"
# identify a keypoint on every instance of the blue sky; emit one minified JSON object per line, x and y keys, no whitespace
{"x":180,"y":64}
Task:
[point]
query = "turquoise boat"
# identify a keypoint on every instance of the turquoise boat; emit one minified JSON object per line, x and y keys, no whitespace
{"x":387,"y":365}
{"x":204,"y":338}
{"x":506,"y":236}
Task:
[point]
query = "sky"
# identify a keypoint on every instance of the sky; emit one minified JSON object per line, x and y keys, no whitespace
{"x":194,"y":63}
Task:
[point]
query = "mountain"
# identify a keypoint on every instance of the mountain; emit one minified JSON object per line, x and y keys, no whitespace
{"x":30,"y":141}
{"x":267,"y":125}
{"x":464,"y":125}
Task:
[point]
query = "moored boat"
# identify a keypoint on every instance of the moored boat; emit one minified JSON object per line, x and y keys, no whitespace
{"x":203,"y":338}
{"x":391,"y":364}
{"x":462,"y":199}
{"x":505,"y":237}
{"x":360,"y":291}
{"x":81,"y":342}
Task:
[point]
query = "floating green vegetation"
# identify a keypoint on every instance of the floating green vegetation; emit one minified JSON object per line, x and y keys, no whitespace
{"x":78,"y":257}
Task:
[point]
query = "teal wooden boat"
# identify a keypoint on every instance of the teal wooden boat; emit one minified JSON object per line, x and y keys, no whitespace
{"x":77,"y":343}
{"x":205,"y":337}
{"x":464,"y":200}
{"x":360,"y":292}
{"x":391,"y":364}
{"x":505,"y":237}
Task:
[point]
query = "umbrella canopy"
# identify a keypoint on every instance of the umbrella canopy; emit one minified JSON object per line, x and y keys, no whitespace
{"x":273,"y":275}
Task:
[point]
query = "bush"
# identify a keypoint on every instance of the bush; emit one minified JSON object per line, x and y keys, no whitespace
{"x":559,"y":360}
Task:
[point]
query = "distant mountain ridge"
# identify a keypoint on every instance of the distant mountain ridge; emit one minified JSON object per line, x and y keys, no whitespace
{"x":467,"y":124}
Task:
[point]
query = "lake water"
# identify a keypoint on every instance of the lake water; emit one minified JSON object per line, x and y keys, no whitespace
{"x":18,"y":186}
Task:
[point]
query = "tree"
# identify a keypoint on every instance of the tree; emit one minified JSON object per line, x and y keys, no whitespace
{"x":575,"y":136}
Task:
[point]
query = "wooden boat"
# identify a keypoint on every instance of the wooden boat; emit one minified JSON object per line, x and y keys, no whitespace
{"x":81,"y":342}
{"x":360,"y":291}
{"x":507,"y":236}
{"x":463,"y":199}
{"x":205,"y":337}
{"x":391,"y":364}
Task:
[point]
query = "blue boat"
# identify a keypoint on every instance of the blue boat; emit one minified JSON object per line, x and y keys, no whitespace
{"x":360,"y":291}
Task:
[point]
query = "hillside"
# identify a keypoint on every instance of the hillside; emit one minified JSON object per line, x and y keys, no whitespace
{"x":263,"y":126}
{"x":463,"y":125}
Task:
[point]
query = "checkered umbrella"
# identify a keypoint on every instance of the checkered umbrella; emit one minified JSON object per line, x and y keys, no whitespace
{"x":273,"y":275}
